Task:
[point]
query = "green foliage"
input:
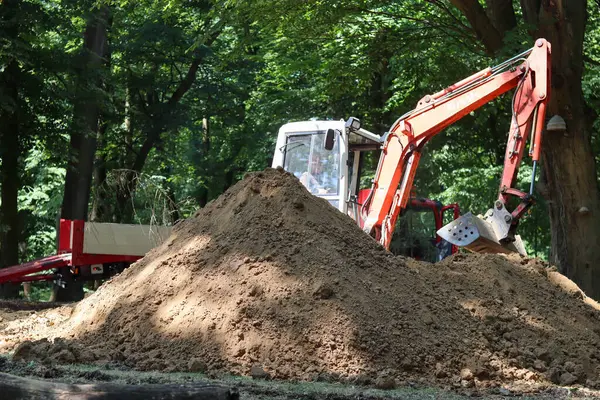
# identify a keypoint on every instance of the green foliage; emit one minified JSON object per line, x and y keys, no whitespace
{"x":474,"y":187}
{"x":591,"y":76}
{"x":32,"y":41}
{"x":39,"y":203}
{"x":40,"y":291}
{"x":260,"y":64}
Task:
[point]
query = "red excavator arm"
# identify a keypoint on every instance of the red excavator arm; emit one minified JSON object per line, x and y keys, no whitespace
{"x":529,"y":73}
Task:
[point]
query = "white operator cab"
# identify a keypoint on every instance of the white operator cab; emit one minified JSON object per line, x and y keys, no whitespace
{"x":325,"y":156}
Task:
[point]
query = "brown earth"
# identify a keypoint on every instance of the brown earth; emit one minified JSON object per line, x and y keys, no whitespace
{"x":271,"y":281}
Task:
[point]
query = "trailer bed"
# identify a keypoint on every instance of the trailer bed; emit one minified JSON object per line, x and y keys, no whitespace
{"x":90,"y":244}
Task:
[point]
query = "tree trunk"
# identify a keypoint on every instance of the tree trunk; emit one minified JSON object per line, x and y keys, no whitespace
{"x":380,"y":95}
{"x":229,"y":180}
{"x":83,"y":137}
{"x":100,"y":205}
{"x":129,"y":180}
{"x":85,"y":126}
{"x":9,"y":176}
{"x":15,"y":387}
{"x":9,"y":149}
{"x":172,"y":207}
{"x":204,"y":150}
{"x":124,"y":195}
{"x":567,"y":157}
{"x":170,"y":210}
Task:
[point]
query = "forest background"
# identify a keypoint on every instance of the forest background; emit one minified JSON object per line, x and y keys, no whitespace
{"x":143,"y":111}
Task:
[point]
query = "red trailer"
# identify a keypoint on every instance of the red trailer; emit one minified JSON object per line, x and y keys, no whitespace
{"x":90,"y":250}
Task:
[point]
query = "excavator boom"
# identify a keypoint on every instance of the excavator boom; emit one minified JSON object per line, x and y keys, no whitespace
{"x":529,"y":73}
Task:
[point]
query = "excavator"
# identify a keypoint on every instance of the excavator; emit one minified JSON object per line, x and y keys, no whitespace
{"x":325,"y":156}
{"x":301,"y":150}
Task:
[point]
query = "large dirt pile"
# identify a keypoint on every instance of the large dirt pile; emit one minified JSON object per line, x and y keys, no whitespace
{"x":269,"y":279}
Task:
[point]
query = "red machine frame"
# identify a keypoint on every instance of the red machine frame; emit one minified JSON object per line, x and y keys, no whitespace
{"x":70,"y":254}
{"x":419,"y":203}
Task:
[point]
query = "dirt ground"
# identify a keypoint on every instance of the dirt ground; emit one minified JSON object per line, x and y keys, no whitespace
{"x":270,"y":282}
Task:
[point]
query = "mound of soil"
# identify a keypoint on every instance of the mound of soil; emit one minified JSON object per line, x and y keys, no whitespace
{"x":270,"y":281}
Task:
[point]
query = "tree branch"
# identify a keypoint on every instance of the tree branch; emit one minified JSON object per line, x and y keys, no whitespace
{"x":155,"y":131}
{"x":61,"y":80}
{"x":485,"y":31}
{"x":190,"y":77}
{"x":444,"y":8}
{"x":186,"y":83}
{"x":425,"y":22}
{"x":142,"y":103}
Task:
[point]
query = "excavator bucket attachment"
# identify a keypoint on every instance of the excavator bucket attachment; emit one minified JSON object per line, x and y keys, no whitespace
{"x":476,"y":234}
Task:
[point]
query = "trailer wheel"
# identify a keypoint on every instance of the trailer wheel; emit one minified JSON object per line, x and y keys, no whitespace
{"x":66,"y":288}
{"x":114,"y":268}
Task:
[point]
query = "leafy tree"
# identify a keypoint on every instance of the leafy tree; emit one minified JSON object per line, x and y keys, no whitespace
{"x":434,"y":42}
{"x":26,"y":114}
{"x":166,"y":103}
